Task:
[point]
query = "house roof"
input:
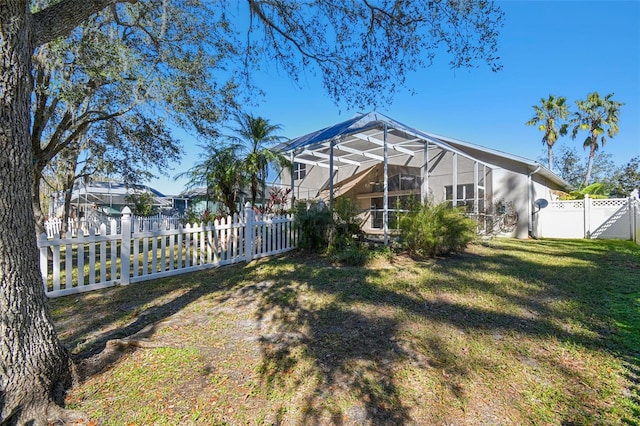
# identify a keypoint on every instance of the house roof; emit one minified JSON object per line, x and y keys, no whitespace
{"x":113,"y":188}
{"x":531,"y":164}
{"x":105,"y":192}
{"x":360,"y":141}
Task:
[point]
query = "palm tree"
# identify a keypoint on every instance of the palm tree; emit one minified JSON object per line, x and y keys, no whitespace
{"x":221,"y":172}
{"x":258,"y":136}
{"x":596,"y":115}
{"x":547,"y":116}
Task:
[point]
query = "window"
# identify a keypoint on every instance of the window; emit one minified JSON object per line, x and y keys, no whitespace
{"x":397,"y":206}
{"x":299,"y":171}
{"x":404,"y":182}
{"x":464,"y":195}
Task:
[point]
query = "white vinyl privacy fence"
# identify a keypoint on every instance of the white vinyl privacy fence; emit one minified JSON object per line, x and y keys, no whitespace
{"x":612,"y":218}
{"x":125,"y":254}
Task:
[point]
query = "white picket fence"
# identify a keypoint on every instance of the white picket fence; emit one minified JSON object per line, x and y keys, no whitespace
{"x":612,"y":218}
{"x":54,"y":226}
{"x":124,"y":255}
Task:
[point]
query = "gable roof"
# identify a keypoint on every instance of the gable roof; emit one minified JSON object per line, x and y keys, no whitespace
{"x":530,"y":164}
{"x":359,"y":141}
{"x":363,"y":134}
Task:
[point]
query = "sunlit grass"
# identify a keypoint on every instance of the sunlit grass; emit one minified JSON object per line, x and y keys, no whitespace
{"x":510,"y":332}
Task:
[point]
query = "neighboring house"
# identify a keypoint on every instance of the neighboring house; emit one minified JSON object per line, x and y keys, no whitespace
{"x":196,"y":199}
{"x":381,"y":163}
{"x":105,"y":198}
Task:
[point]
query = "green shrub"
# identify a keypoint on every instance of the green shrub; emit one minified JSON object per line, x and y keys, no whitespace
{"x":345,"y":245}
{"x":346,"y":216}
{"x":313,"y":224}
{"x":385,"y":252}
{"x":346,"y":250}
{"x":141,"y":204}
{"x":436,"y":230}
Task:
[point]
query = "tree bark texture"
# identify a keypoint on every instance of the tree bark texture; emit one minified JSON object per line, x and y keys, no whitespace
{"x":34,"y":366}
{"x":592,"y":153}
{"x":39,"y":215}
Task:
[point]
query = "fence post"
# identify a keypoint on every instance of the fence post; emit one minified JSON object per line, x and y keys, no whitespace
{"x":587,"y":216}
{"x":636,"y":204}
{"x":125,"y":246}
{"x":631,"y":214}
{"x":248,"y":232}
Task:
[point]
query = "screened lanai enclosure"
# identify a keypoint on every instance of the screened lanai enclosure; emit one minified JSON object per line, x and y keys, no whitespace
{"x":383,"y":165}
{"x":104,"y":198}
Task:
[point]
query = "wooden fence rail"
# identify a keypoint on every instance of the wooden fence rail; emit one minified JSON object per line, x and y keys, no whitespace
{"x":127,"y":254}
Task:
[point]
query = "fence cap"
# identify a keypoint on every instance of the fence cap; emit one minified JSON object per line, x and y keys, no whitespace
{"x":126,"y":211}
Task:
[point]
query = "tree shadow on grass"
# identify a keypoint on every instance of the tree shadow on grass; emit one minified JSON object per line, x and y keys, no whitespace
{"x":140,"y":307}
{"x":345,"y":353}
{"x":592,"y":286}
{"x":591,"y":301}
{"x":347,"y":345}
{"x":339,"y":354}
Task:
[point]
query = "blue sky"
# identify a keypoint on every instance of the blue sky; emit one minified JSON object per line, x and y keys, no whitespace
{"x":564,"y":48}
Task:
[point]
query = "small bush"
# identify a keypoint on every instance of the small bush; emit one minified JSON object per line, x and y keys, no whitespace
{"x":385,"y":252}
{"x":347,"y":219}
{"x":345,"y":244}
{"x":141,"y":204}
{"x":436,"y":230}
{"x":346,"y":250}
{"x":313,"y":224}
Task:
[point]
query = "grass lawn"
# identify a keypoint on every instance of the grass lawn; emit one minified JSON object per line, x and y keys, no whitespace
{"x":510,"y":332}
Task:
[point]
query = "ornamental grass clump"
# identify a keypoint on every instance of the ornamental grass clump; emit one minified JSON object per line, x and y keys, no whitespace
{"x":436,"y":230}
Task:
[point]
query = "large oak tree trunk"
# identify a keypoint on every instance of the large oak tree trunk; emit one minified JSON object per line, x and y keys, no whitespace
{"x":34,"y":366}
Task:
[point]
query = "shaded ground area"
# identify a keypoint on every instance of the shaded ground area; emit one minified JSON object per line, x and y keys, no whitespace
{"x":511,"y":332}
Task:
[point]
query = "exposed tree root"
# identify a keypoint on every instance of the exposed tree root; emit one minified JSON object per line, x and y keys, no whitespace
{"x":57,"y":416}
{"x":112,"y":352}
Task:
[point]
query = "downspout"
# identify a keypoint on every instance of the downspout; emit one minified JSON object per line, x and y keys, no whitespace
{"x":530,"y":202}
{"x":293,"y":183}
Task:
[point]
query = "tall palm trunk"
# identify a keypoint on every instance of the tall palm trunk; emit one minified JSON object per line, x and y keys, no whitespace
{"x":254,"y":189}
{"x":592,"y":154}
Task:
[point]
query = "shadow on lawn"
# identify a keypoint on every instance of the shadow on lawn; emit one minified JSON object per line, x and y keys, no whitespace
{"x":141,"y":307}
{"x":347,"y":348}
{"x":594,"y":302}
{"x":357,"y":350}
{"x":352,"y":354}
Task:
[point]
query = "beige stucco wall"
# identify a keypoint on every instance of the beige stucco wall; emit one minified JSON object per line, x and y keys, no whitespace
{"x":513,"y":186}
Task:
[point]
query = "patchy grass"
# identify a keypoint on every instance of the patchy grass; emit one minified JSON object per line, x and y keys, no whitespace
{"x":510,"y":332}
